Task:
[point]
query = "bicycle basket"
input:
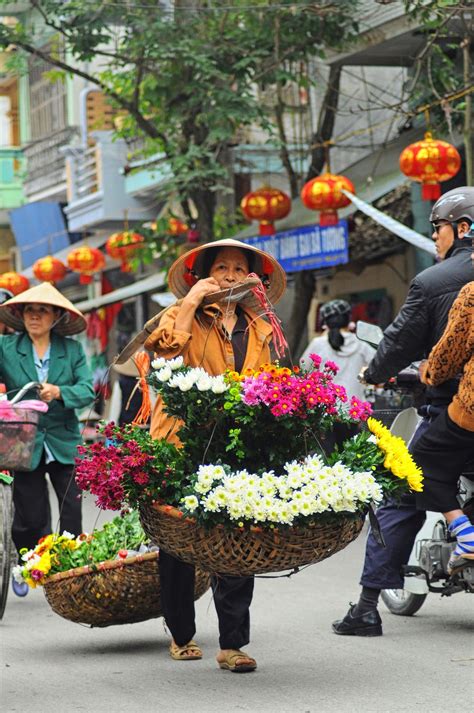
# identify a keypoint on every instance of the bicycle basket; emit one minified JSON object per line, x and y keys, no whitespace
{"x":18,"y":427}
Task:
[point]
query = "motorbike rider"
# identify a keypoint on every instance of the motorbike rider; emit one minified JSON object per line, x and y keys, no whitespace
{"x":411,"y":336}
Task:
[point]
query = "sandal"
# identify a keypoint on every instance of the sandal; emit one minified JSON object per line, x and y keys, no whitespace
{"x":232,"y":656}
{"x":188,"y":652}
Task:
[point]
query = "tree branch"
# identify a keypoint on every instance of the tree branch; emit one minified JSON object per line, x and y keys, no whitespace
{"x":146,"y":126}
{"x":326,"y":121}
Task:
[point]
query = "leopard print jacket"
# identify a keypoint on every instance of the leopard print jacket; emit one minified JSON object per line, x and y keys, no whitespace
{"x":453,"y":354}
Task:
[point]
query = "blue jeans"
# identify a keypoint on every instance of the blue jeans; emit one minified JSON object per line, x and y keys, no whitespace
{"x":400,"y":523}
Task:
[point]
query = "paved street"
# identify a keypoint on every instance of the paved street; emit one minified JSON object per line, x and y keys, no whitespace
{"x":422,"y":663}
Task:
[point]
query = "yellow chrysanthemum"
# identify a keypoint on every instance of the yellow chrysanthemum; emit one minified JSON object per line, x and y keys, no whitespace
{"x":397,"y":458}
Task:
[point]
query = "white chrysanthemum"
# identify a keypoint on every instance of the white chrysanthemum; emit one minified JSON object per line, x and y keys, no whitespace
{"x":285,"y":492}
{"x":17,"y":574}
{"x":218,"y":385}
{"x":295,"y":479}
{"x":158,"y":363}
{"x":259,"y":514}
{"x":286,"y":516}
{"x":69,"y":535}
{"x":175,"y":363}
{"x":202,"y":488}
{"x":221,"y":495}
{"x":372,"y":438}
{"x":211,"y":503}
{"x":292,"y":467}
{"x":235,"y":512}
{"x":186,"y":384}
{"x":164,"y":374}
{"x":204,"y":383}
{"x":191,"y":502}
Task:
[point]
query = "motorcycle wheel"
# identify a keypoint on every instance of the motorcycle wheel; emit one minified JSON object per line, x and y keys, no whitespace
{"x":402,"y":603}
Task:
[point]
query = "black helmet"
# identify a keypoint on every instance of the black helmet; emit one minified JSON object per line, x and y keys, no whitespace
{"x":454,"y":205}
{"x":5,"y":295}
{"x":335,"y":309}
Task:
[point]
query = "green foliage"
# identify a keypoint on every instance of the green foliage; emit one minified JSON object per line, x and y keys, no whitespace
{"x":361,"y":454}
{"x":162,"y":248}
{"x":438,"y":72}
{"x":187,"y":79}
{"x":122,"y":533}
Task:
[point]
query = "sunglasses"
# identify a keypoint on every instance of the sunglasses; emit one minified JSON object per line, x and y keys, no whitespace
{"x":436,"y":226}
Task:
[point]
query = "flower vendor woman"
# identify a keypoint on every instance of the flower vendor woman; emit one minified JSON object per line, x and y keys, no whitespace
{"x":216,"y":337}
{"x":40,"y":352}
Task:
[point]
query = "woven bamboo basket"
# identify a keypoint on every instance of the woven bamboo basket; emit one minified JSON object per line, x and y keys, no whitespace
{"x":113,"y":592}
{"x":242,"y":552}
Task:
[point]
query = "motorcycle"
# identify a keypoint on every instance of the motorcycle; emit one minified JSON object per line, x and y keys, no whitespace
{"x":427,"y":568}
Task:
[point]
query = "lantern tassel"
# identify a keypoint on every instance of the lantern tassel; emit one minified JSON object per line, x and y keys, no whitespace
{"x":328,"y":217}
{"x":142,"y":362}
{"x":279,"y":340}
{"x":266,"y":227}
{"x":430,"y":191}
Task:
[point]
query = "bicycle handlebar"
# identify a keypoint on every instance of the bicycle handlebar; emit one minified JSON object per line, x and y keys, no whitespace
{"x":27,"y":387}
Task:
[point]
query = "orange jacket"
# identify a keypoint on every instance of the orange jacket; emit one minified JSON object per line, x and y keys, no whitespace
{"x":206,"y":347}
{"x":454,"y":351}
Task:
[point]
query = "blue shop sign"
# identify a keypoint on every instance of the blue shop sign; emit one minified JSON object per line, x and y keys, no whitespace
{"x":307,"y":248}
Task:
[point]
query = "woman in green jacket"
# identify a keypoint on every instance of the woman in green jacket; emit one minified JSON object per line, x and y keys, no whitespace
{"x":40,"y":352}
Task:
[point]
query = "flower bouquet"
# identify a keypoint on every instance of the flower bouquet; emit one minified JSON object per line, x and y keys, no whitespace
{"x":254,"y":486}
{"x":108,"y":577}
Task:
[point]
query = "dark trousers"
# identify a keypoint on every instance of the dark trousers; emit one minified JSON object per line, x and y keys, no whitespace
{"x":443,"y":453}
{"x":32,"y":512}
{"x":400,"y":523}
{"x":232,"y":599}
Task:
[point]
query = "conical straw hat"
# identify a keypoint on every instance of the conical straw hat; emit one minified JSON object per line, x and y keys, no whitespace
{"x":185,"y":271}
{"x":72,"y":322}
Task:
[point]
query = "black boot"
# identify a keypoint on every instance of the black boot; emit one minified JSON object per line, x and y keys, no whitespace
{"x":366,"y":624}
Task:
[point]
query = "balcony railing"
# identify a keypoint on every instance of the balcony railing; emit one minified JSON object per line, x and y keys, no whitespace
{"x":96,"y":187}
{"x":46,"y":165}
{"x":12,"y":166}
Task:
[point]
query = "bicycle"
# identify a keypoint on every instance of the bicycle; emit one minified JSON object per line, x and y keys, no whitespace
{"x":12,"y":420}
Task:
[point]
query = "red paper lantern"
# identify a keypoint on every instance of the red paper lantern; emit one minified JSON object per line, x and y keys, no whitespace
{"x":86,"y":261}
{"x":14,"y":282}
{"x":429,"y":162}
{"x":324,"y":193}
{"x":177,"y":227}
{"x":266,"y":205}
{"x":124,"y":246}
{"x":49,"y":269}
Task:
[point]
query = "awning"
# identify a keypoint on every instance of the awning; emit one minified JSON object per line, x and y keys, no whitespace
{"x":411,"y":236}
{"x":39,"y":228}
{"x":152,"y":282}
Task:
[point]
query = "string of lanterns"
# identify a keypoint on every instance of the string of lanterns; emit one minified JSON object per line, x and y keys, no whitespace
{"x":429,"y":162}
